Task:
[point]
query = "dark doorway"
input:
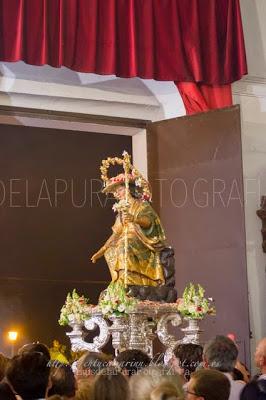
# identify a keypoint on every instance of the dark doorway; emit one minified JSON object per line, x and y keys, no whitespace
{"x":53,"y":218}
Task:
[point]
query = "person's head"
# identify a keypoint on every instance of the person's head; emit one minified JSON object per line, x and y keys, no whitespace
{"x":62,"y":381}
{"x":119,"y":192}
{"x":28,"y":374}
{"x":260,"y":355}
{"x":208,"y":384}
{"x":187,"y":357}
{"x":6,"y":393}
{"x":35,"y":347}
{"x":151,"y":382}
{"x":110,"y":384}
{"x":254,"y":390}
{"x":165,"y":391}
{"x":90,"y":364}
{"x":3,"y":364}
{"x":220,"y":353}
{"x":84,"y":390}
{"x":116,"y":186}
{"x":131,"y":361}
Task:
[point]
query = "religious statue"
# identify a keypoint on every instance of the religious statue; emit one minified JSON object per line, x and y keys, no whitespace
{"x":134,"y":250}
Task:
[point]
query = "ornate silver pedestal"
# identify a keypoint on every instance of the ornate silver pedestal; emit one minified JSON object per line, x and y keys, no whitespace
{"x":78,"y":334}
{"x":192,"y":332}
{"x":137,"y":330}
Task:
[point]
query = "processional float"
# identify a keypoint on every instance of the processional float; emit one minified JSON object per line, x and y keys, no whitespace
{"x":140,"y":303}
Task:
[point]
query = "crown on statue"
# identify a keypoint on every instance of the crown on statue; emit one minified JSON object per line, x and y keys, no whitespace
{"x":131,"y":176}
{"x":115,"y":181}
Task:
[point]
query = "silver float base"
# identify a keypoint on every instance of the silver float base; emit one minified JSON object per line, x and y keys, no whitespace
{"x":137,"y":330}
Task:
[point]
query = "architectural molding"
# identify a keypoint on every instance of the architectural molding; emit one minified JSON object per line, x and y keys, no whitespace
{"x":251,"y":86}
{"x":76,"y":92}
{"x":80,"y":99}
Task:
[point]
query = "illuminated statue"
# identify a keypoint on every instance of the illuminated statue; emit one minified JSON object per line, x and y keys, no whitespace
{"x":133,"y":251}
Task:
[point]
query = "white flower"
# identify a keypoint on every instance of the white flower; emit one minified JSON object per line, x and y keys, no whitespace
{"x":121,"y":308}
{"x":196,"y":300}
{"x":71,"y":318}
{"x":120,"y":205}
{"x":138,"y":182}
{"x":192,"y":308}
{"x":106,"y":309}
{"x":114,"y":208}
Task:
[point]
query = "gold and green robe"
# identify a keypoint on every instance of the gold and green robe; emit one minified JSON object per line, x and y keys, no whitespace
{"x":144,"y":246}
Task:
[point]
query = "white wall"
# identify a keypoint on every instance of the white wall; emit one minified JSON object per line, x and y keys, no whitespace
{"x":253,"y":115}
{"x":250,"y":93}
{"x":253,"y":17}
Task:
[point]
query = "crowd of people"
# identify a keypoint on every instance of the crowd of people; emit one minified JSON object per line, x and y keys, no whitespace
{"x":193,"y":373}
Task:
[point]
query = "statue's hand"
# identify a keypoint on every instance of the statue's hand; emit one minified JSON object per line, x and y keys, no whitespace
{"x":94,"y":258}
{"x":127,"y":217}
{"x":97,"y":255}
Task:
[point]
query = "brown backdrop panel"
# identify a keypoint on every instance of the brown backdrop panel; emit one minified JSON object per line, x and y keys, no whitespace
{"x":195,"y":167}
{"x":52,"y":219}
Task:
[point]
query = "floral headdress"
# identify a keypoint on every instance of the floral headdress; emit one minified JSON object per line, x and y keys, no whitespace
{"x":131,"y":173}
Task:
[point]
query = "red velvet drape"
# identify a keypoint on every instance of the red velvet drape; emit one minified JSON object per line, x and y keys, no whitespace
{"x":197,"y":43}
{"x":198,"y":97}
{"x":177,"y":40}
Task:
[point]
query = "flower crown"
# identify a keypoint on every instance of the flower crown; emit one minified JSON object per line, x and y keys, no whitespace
{"x":130,"y":172}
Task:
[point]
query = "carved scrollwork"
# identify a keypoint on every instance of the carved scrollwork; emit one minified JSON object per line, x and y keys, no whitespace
{"x":77,"y":335}
{"x":164,"y":336}
{"x":168,"y":340}
{"x":134,"y":331}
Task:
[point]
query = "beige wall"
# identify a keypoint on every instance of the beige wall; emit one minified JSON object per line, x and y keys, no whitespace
{"x":253,"y":113}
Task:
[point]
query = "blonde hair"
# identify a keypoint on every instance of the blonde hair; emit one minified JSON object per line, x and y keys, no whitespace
{"x":85,"y":390}
{"x":156,"y":383}
{"x":110,"y":384}
{"x":165,"y":391}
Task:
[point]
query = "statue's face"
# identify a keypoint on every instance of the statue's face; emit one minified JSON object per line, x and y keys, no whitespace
{"x":120,"y":192}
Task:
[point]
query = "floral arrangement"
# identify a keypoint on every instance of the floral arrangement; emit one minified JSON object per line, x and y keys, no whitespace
{"x":193,"y":304}
{"x":74,"y":310}
{"x":116,"y":301}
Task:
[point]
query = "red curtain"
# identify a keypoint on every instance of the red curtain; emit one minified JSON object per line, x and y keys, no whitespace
{"x":177,"y":40}
{"x":197,"y":43}
{"x":199,"y":97}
